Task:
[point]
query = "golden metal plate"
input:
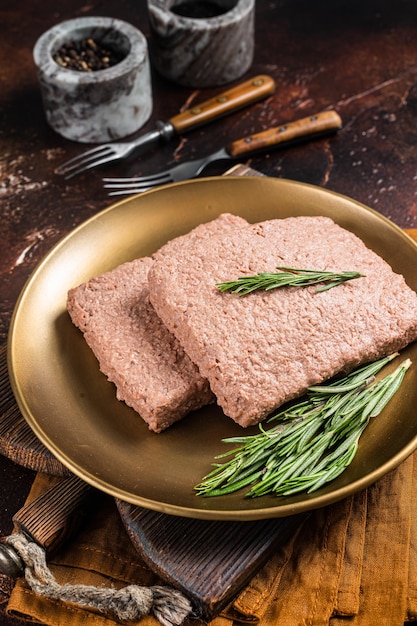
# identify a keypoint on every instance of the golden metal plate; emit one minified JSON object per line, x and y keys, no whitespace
{"x":72,"y":408}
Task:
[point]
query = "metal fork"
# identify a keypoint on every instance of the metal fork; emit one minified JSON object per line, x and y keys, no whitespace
{"x":306,"y":128}
{"x":183,"y":171}
{"x":233,"y":99}
{"x":108,"y":152}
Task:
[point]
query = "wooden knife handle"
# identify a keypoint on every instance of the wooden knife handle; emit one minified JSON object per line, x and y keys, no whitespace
{"x":318,"y":124}
{"x":246,"y":93}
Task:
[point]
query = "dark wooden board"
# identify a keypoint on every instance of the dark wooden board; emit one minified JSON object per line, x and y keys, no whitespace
{"x":17,"y":441}
{"x":209,"y":561}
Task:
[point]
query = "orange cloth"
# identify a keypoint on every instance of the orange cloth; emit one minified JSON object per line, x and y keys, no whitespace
{"x":352,"y":563}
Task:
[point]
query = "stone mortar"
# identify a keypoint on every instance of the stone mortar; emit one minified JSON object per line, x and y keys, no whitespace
{"x":202,"y":52}
{"x":102,"y":105}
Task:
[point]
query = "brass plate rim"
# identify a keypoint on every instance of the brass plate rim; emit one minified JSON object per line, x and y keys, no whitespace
{"x":191,"y":191}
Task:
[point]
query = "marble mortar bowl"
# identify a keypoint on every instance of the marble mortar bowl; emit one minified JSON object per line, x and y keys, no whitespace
{"x":100,"y":105}
{"x":201,"y":51}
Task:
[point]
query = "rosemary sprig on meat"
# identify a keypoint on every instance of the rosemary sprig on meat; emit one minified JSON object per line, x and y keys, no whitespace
{"x":286,"y":277}
{"x":313,"y":440}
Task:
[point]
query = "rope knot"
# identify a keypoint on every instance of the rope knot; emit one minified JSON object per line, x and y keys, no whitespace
{"x":131,"y":602}
{"x":169,"y":606}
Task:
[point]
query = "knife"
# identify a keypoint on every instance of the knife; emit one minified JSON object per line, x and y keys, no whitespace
{"x":233,"y":99}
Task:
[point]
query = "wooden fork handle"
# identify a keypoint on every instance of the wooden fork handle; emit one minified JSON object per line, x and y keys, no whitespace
{"x":318,"y":124}
{"x":233,"y":99}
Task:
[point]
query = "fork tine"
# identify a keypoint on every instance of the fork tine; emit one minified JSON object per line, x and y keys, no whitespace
{"x":131,"y":192}
{"x":133,"y":182}
{"x":125,"y":179}
{"x":86,"y":160}
{"x":103,"y":161}
{"x":135,"y":185}
{"x":181,"y":171}
{"x":116,"y":190}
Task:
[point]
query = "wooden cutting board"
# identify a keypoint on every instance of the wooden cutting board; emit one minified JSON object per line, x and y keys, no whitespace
{"x":209,"y":561}
{"x":17,"y":440}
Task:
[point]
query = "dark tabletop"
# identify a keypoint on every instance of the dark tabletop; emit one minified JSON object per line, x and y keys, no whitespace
{"x":357,"y":57}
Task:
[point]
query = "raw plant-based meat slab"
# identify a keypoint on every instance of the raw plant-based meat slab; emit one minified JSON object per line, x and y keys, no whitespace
{"x":135,"y":351}
{"x":261,"y":350}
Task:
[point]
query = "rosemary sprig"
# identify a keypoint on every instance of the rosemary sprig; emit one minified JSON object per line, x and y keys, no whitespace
{"x":313,"y":440}
{"x":286,"y":277}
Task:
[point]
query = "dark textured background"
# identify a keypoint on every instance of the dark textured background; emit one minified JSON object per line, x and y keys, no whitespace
{"x":358,"y":57}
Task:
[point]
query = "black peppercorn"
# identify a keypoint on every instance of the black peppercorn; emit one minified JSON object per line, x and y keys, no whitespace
{"x":86,"y":55}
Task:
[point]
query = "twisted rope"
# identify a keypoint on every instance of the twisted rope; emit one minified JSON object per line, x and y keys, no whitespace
{"x":169,"y":606}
